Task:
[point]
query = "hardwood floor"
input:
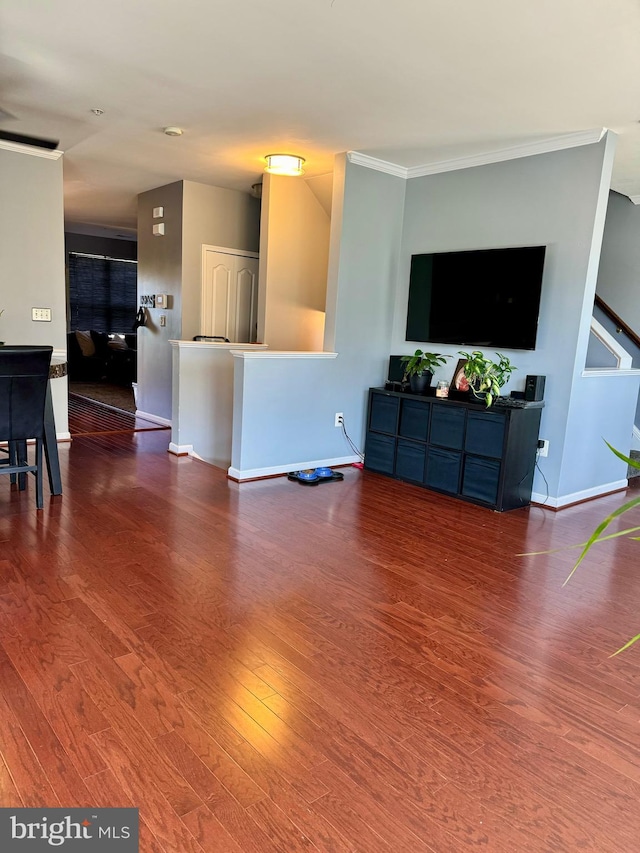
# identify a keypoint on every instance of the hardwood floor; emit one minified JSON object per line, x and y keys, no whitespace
{"x":87,"y":417}
{"x":271,"y":668}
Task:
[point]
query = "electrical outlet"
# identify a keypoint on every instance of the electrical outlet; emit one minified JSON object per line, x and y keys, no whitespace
{"x":338,"y":419}
{"x":41,"y":314}
{"x":543,"y":447}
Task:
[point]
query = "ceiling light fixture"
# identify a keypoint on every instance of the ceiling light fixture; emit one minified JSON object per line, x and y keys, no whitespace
{"x":284,"y":164}
{"x":173,"y":131}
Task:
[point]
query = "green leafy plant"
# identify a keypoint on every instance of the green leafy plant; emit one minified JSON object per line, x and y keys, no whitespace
{"x":598,"y":536}
{"x":486,"y":377}
{"x":422,"y":362}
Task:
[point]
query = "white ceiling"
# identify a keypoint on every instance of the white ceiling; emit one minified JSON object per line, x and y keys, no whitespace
{"x":411,"y":82}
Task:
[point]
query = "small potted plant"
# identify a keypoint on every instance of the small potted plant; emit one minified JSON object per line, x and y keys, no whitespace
{"x":486,"y":377}
{"x":419,"y":369}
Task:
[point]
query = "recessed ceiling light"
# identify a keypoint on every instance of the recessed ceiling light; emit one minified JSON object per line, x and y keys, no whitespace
{"x":173,"y":131}
{"x":284,"y":164}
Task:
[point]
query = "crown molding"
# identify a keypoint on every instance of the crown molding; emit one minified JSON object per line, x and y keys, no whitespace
{"x":635,"y":199}
{"x":17,"y":148}
{"x":377,"y":165}
{"x":262,"y":354}
{"x":527,"y":149}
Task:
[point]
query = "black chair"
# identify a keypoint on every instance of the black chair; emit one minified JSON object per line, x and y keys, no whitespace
{"x":24,"y":376}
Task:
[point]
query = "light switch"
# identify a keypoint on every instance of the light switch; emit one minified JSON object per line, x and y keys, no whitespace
{"x":42,"y":315}
{"x":163,"y":320}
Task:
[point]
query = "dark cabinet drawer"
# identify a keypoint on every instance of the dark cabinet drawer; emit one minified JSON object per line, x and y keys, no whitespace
{"x":384,"y":414}
{"x":410,"y":457}
{"x":380,"y":453}
{"x":447,"y":427}
{"x":481,"y":479}
{"x":414,"y":420}
{"x":443,"y":470}
{"x":457,"y":447}
{"x":485,"y":434}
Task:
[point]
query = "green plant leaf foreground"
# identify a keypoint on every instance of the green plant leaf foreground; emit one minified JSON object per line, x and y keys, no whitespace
{"x":583,"y":544}
{"x":595,"y":537}
{"x":596,"y":533}
{"x":635,"y":463}
{"x":626,"y":645}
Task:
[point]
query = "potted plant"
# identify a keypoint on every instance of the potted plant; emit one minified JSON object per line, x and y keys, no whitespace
{"x":419,"y":369}
{"x":486,"y":377}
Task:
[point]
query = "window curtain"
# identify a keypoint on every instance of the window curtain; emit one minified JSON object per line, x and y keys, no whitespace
{"x":102,"y":293}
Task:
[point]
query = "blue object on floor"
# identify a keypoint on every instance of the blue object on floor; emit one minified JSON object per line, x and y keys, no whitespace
{"x":314,"y":476}
{"x":324,"y":472}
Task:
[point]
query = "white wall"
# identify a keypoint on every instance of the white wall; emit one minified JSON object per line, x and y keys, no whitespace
{"x":32,"y":257}
{"x":294,"y":252}
{"x":322,"y":188}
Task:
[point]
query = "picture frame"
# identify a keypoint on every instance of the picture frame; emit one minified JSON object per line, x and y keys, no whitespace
{"x":459,"y":381}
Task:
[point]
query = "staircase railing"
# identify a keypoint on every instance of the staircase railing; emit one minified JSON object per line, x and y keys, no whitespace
{"x":620,"y":323}
{"x":631,"y":340}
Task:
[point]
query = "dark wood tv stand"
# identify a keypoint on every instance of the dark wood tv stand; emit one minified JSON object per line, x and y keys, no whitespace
{"x":457,"y":447}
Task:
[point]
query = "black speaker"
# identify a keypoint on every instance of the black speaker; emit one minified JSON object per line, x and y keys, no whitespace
{"x":396,"y":368}
{"x":534,"y":388}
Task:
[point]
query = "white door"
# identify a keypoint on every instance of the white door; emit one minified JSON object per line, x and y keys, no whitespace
{"x":229,"y":295}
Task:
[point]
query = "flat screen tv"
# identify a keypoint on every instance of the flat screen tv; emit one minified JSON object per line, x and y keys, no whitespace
{"x":482,"y":298}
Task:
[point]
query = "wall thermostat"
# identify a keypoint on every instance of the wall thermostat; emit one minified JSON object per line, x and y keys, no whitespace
{"x":162,"y":300}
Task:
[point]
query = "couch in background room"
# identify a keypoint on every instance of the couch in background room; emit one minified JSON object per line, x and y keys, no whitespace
{"x":98,"y":357}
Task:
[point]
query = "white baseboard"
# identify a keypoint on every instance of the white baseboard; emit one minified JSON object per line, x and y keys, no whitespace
{"x":255,"y":473}
{"x":181,"y":449}
{"x":156,"y":419}
{"x":577,"y":497}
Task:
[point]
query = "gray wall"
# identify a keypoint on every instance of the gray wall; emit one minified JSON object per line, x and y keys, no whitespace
{"x":619,"y":273}
{"x":32,"y":258}
{"x":193,"y":214}
{"x":554,"y":199}
{"x":378,"y":222}
{"x":159,"y":271}
{"x":217,"y":217}
{"x":284,"y":409}
{"x":110,"y":246}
